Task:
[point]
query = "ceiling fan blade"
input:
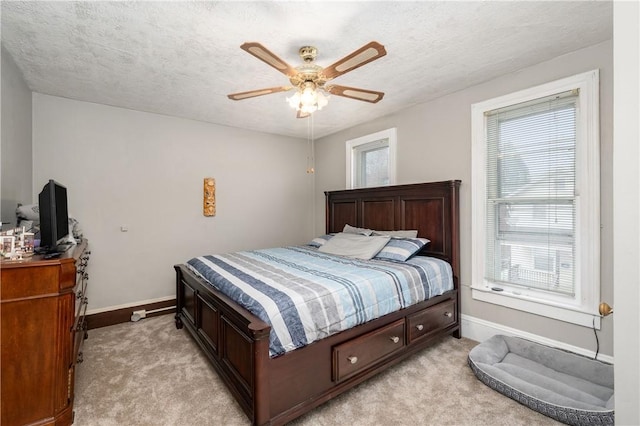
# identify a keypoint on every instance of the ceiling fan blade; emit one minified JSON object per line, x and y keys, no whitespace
{"x":268,"y":57}
{"x":253,"y":93}
{"x":301,"y":114}
{"x":355,"y":93}
{"x":364,"y":55}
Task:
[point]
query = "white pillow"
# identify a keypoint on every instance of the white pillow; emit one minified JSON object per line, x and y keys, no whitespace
{"x":354,"y":245}
{"x":348,"y":229}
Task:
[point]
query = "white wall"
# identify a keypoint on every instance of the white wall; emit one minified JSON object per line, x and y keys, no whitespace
{"x":434,"y":143}
{"x":145,"y":171}
{"x":16,"y":140}
{"x":626,"y":203}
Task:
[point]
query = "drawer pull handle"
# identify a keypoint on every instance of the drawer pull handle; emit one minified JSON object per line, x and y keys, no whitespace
{"x":395,"y":339}
{"x":420,"y":327}
{"x":448,"y":314}
{"x":352,"y":359}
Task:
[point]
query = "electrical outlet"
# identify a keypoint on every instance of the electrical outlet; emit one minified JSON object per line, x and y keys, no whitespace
{"x":138,"y":315}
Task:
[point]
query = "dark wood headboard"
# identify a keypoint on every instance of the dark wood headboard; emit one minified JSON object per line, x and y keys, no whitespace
{"x":431,"y":208}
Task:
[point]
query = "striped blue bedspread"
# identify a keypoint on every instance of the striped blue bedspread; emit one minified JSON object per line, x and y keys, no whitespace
{"x":306,"y":295}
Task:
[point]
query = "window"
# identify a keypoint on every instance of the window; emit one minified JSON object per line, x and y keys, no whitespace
{"x":371,"y":160}
{"x":535,"y":205}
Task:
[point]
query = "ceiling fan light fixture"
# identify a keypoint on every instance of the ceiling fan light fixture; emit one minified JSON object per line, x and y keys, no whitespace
{"x":308,"y":96}
{"x":308,"y":109}
{"x":323,"y":100}
{"x":294,"y":100}
{"x":308,"y":99}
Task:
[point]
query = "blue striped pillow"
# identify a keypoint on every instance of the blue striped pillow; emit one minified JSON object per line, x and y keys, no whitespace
{"x":319,"y":241}
{"x":401,"y":249}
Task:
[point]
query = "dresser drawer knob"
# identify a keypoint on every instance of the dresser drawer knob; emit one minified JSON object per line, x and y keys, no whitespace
{"x":395,"y":339}
{"x":352,"y":359}
{"x":420,"y":327}
{"x":448,"y":314}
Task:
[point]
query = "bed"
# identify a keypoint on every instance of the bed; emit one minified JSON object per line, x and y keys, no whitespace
{"x":276,"y":387}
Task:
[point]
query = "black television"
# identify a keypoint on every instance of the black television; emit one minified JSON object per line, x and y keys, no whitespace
{"x":54,"y":218}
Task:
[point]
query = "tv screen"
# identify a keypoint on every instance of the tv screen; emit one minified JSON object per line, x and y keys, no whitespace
{"x":54,"y":219}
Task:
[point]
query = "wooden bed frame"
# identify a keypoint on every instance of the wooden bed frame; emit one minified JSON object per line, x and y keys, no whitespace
{"x":277,"y":390}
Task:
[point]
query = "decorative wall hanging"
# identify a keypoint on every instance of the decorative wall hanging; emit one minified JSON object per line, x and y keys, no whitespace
{"x":209,"y":202}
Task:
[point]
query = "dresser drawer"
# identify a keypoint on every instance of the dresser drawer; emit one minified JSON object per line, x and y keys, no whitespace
{"x":432,"y":319}
{"x":356,"y":355}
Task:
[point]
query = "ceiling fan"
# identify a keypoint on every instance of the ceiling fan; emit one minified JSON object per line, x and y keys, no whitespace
{"x":310,"y":79}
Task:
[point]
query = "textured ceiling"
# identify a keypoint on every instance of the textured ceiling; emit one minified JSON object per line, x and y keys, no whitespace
{"x":183,"y":58}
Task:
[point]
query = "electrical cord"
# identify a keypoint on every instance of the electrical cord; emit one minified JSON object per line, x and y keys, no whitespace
{"x":597,"y":341}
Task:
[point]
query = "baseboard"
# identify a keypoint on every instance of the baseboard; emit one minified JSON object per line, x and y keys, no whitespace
{"x":129,"y":305}
{"x":115,"y":316}
{"x":480,"y":330}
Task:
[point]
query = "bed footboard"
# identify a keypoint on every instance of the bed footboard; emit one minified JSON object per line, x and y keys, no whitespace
{"x":235,"y":341}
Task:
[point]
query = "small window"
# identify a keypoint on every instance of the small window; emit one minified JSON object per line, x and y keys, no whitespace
{"x":371,"y":160}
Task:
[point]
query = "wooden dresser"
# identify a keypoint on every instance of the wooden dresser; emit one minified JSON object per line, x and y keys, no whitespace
{"x":42,"y":313}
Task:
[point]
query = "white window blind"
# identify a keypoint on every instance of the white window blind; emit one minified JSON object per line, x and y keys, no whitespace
{"x":530,"y":194}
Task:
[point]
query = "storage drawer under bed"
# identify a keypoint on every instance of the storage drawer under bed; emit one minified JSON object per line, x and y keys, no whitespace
{"x":431,"y":320}
{"x":356,"y":355}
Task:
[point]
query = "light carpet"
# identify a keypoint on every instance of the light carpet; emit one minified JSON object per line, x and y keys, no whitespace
{"x":150,"y":373}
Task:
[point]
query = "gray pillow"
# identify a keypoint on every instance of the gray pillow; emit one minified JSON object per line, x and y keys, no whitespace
{"x":348,"y":229}
{"x":398,"y":234}
{"x":354,"y":245}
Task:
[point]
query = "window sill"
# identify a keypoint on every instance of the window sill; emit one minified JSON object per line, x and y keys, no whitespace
{"x":532,"y":305}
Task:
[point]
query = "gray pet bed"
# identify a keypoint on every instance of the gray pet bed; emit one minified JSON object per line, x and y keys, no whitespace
{"x":565,"y":386}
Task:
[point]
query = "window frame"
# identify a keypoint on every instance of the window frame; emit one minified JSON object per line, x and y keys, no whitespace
{"x":581,"y":309}
{"x":351,"y":160}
